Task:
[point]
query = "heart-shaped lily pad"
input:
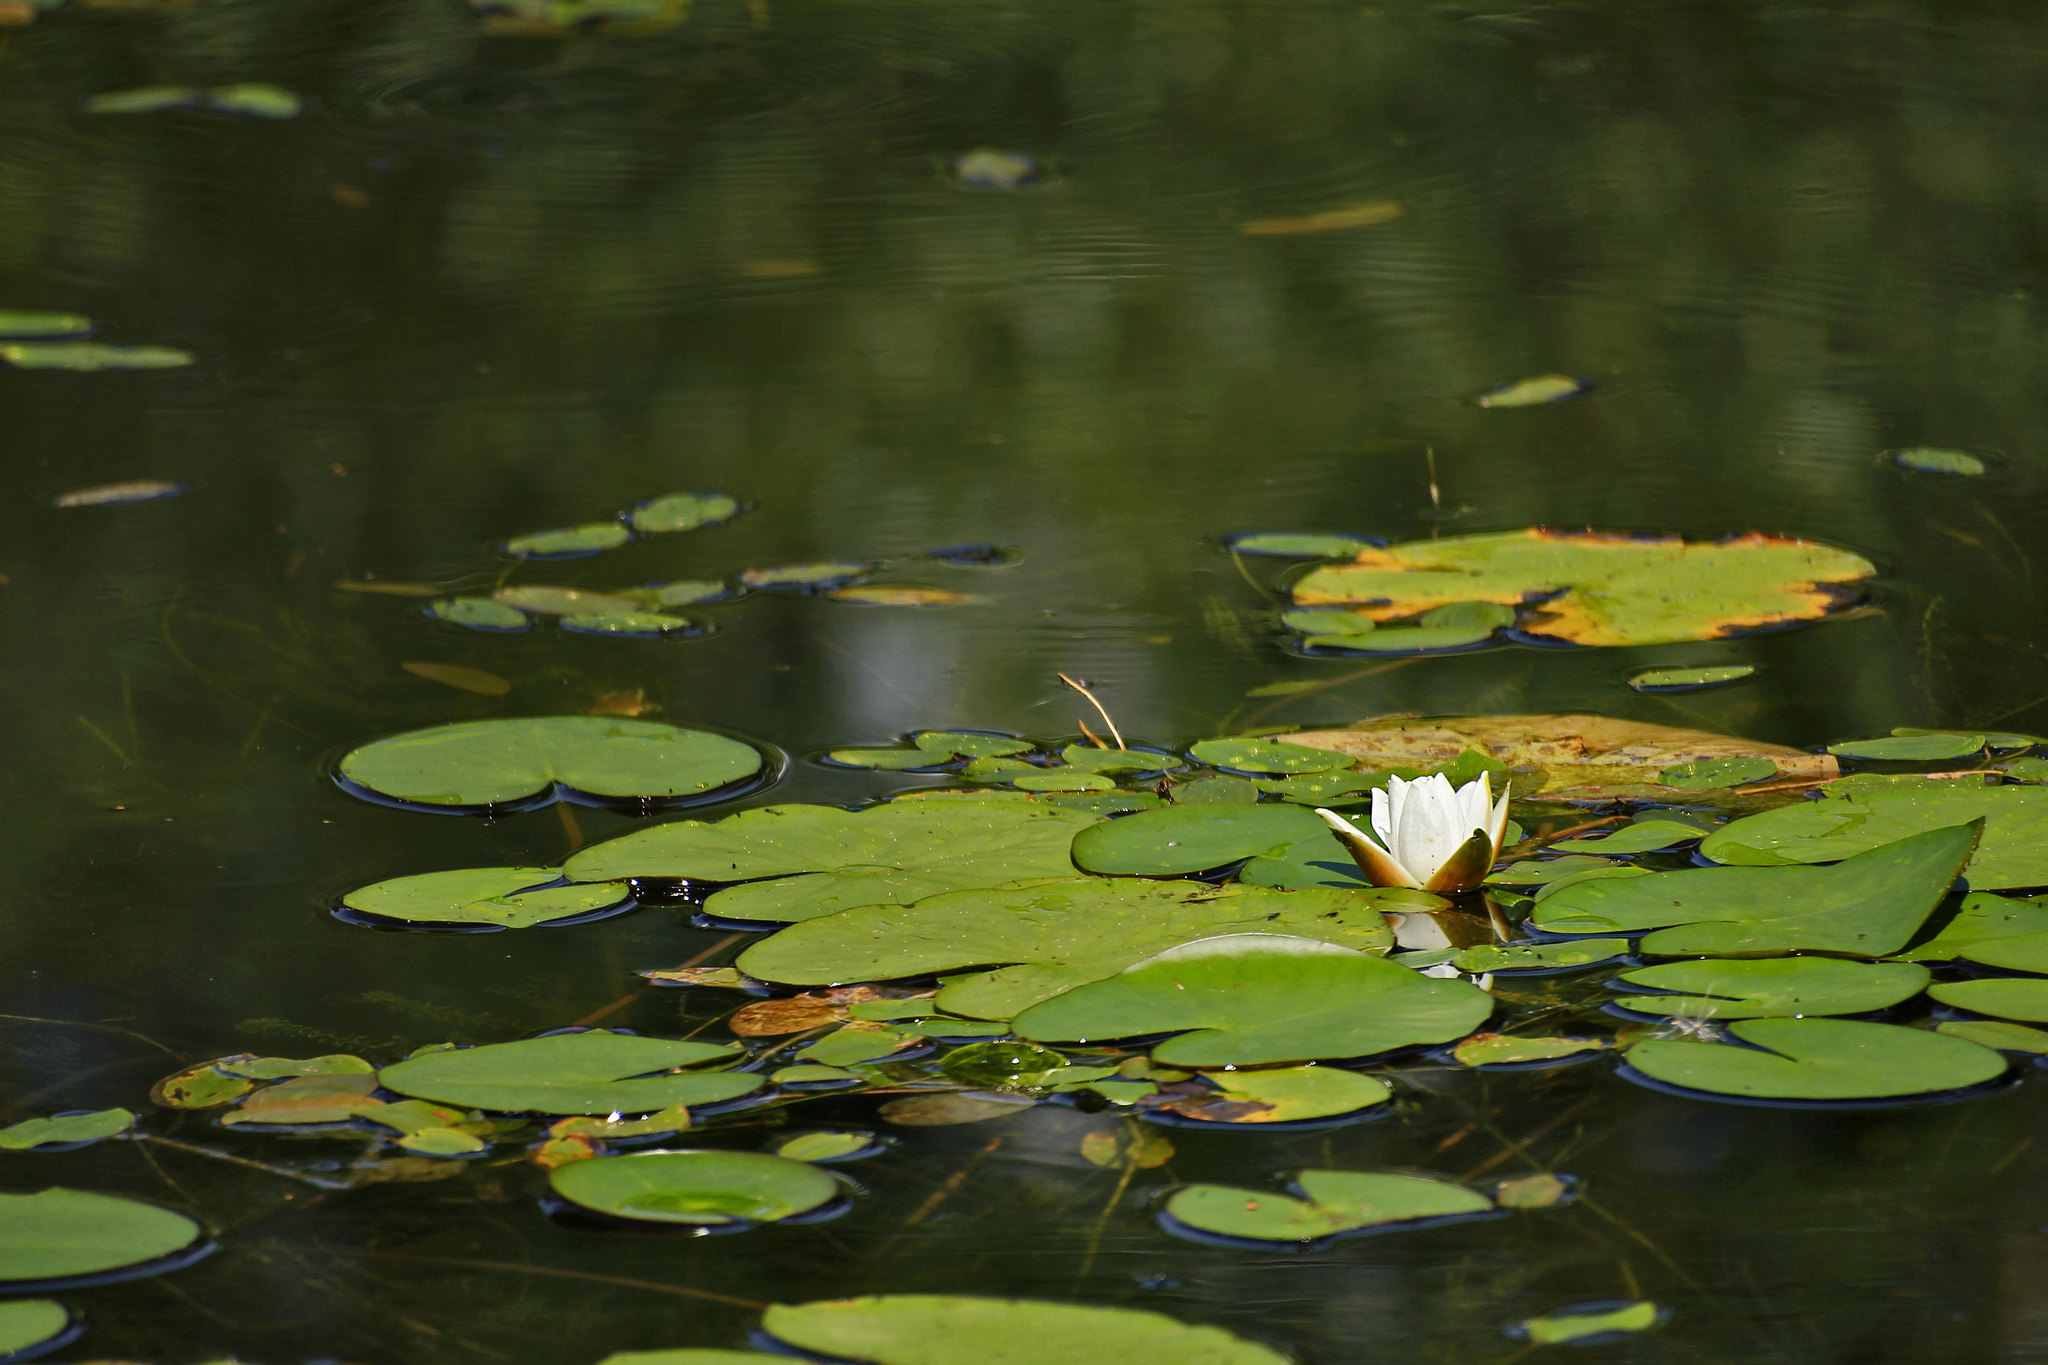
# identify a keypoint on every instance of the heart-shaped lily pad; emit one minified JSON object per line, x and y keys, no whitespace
{"x":1869,"y":905}
{"x":2006,"y":997}
{"x":1330,"y":1203}
{"x":1246,"y":999}
{"x":941,"y":1329}
{"x":1056,"y":934}
{"x":1193,"y":838}
{"x":485,"y":763}
{"x":1819,"y":1059}
{"x":1756,"y":988}
{"x":504,"y":897}
{"x":26,"y":1324}
{"x":1858,"y":814}
{"x":705,"y":1188}
{"x":825,"y":858}
{"x":571,"y":1073}
{"x":58,"y":1235}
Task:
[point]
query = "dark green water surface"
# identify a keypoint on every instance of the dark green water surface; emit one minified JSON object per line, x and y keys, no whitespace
{"x":489,"y":285}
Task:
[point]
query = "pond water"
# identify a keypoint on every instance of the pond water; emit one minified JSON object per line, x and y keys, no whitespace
{"x":493,"y":282}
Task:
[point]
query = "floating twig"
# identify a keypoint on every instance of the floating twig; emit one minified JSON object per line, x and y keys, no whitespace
{"x":1100,"y":710}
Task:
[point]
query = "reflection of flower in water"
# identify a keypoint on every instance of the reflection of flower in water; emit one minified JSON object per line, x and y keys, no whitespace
{"x":1432,"y":836}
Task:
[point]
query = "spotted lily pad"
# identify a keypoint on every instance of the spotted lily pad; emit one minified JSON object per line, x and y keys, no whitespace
{"x":824,"y":858}
{"x":683,"y":512}
{"x":1689,"y":679}
{"x":2006,"y":997}
{"x":1062,"y":780}
{"x":1608,"y":590}
{"x":500,"y":762}
{"x":1192,"y":838}
{"x":1819,"y":1059}
{"x":58,"y":1235}
{"x":1331,"y":1203}
{"x":571,"y":1073}
{"x":1271,"y":757}
{"x":1869,"y":905}
{"x":507,"y":897}
{"x":2012,"y":952}
{"x":571,"y":542}
{"x":1981,"y":919}
{"x":938,"y":1329}
{"x":704,"y":1188}
{"x":1246,"y":999}
{"x":65,"y":1129}
{"x":1851,"y":818}
{"x":1054,"y":934}
{"x":1914,"y":748}
{"x":1752,"y":988}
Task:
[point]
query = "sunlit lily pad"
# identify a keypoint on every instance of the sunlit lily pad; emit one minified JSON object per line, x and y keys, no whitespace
{"x":2006,"y":997}
{"x":888,"y":760}
{"x":21,"y":324}
{"x":547,"y":600}
{"x":1301,"y":544}
{"x":682,"y":592}
{"x":508,"y":897}
{"x":571,"y":542}
{"x":281,"y":1068}
{"x":1331,"y":1203}
{"x":683,"y":512}
{"x":1295,"y":1094}
{"x":571,"y":1073}
{"x":824,"y":858}
{"x":1761,"y":988}
{"x":969,"y":744}
{"x":825,"y":1146}
{"x":705,"y":1188}
{"x":1935,"y":460}
{"x":1192,"y":838}
{"x":1712,"y":774}
{"x":1689,"y":679}
{"x":1247,"y":999}
{"x":2013,"y":952}
{"x":1590,"y":1324}
{"x":1269,"y":757}
{"x":1996,"y":1033}
{"x":120,"y":494}
{"x":1609,"y":590}
{"x":1563,"y":955}
{"x":1216,"y":790}
{"x":499,"y":762}
{"x":1502,"y":1049}
{"x":808,"y":577}
{"x":90,"y":355}
{"x":638,"y":625}
{"x":479,"y":613}
{"x":1869,"y":905}
{"x":692,"y":1355}
{"x":27,"y":1324}
{"x":937,"y":1329}
{"x":199,"y":1087}
{"x":1644,"y":836}
{"x":898,"y":595}
{"x":1090,"y":758}
{"x":1819,"y":1059}
{"x":1321,"y":789}
{"x":1848,"y":820}
{"x":1921,"y":748}
{"x":58,"y":1235}
{"x":1055,"y":935}
{"x":65,"y":1129}
{"x":1328,"y":621}
{"x":1534,"y":391}
{"x":1542,"y":871}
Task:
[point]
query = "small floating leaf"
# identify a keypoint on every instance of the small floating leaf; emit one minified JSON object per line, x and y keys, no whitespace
{"x":1091,"y":758}
{"x":148,"y":99}
{"x":492,"y":762}
{"x":386,"y":589}
{"x":508,"y":897}
{"x":308,"y":1099}
{"x":111,"y":494}
{"x":570,"y":542}
{"x":281,"y":1068}
{"x":1715,"y":773}
{"x":1211,"y":791}
{"x":937,"y":1329}
{"x":1583,"y":1323}
{"x":823,"y":1146}
{"x":660,"y":1123}
{"x":1532,"y":1192}
{"x":809,"y":577}
{"x":1329,"y":220}
{"x":570,"y":1073}
{"x":1334,"y":1202}
{"x":1539,"y":957}
{"x":1689,"y":679}
{"x":695,"y":1187}
{"x":1063,"y":780}
{"x":479,"y":613}
{"x":1997,"y":1034}
{"x":1501,"y":1049}
{"x":683,"y":512}
{"x":90,"y":355}
{"x":889,"y":760}
{"x":1296,"y":545}
{"x":976,"y":556}
{"x":1750,"y":988}
{"x":1819,"y":1059}
{"x":254,"y":101}
{"x":458,"y":676}
{"x":1525,"y":393}
{"x":1848,"y":820}
{"x":1269,"y":756}
{"x":966,"y":744}
{"x":898,"y":595}
{"x":1293,"y":1094}
{"x":2006,"y":997}
{"x":553,"y":601}
{"x":28,"y":1323}
{"x":1541,"y":872}
{"x":852,"y":1046}
{"x":1922,"y":748}
{"x":59,"y":1234}
{"x":199,"y":1087}
{"x":682,"y":592}
{"x":989,"y":168}
{"x":1001,"y":1066}
{"x":65,"y":1128}
{"x":16,"y":323}
{"x":1934,"y":460}
{"x":1192,"y":838}
{"x":643,"y":625}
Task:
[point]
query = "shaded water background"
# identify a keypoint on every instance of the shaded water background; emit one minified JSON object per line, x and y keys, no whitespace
{"x":493,"y":285}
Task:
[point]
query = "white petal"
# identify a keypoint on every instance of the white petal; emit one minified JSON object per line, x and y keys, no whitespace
{"x":1497,"y":822}
{"x":1429,"y":827}
{"x":1383,"y":817}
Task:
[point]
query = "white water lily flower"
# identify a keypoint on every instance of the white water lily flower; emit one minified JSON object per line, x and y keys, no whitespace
{"x":1432,"y":836}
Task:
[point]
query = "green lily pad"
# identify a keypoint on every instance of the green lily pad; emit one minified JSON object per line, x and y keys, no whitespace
{"x":1212,"y":791}
{"x":284,"y":1068}
{"x":1533,"y":391}
{"x":479,"y":613}
{"x":571,"y":1073}
{"x":684,"y":512}
{"x":254,"y":100}
{"x":1192,"y":838}
{"x":29,"y":1323}
{"x":90,"y":355}
{"x":1590,"y":1325}
{"x":548,"y":600}
{"x":1997,"y":1034}
{"x":1062,"y":780}
{"x":18,"y":323}
{"x":1599,"y":589}
{"x":59,"y":1234}
{"x":1299,"y":545}
{"x":29,"y":1133}
{"x":889,"y":760}
{"x":1053,"y":934}
{"x":1405,"y":639}
{"x":1333,"y":1202}
{"x":2014,"y":952}
{"x":810,"y":577}
{"x":682,"y":592}
{"x":638,"y":625}
{"x":1320,"y":789}
{"x":1713,"y":774}
{"x":508,"y":897}
{"x":1328,"y":621}
{"x":147,"y":99}
{"x":823,"y":1146}
{"x":1089,"y":758}
{"x":1982,"y":918}
{"x":1869,"y":905}
{"x":705,"y":1188}
{"x":851,"y":1047}
{"x":1467,"y":616}
{"x":1501,"y":1049}
{"x":940,"y":1329}
{"x":1293,"y":1094}
{"x":966,"y":744}
{"x":1851,"y":819}
{"x":571,"y":541}
{"x":497,"y":762}
{"x":1934,"y":460}
{"x":826,"y":859}
{"x":1246,"y":999}
{"x":1539,"y":957}
{"x":2027,"y":770}
{"x":1819,"y":1059}
{"x":1644,"y":836}
{"x":692,"y":1355}
{"x":1317,"y":861}
{"x":1922,"y":748}
{"x":1002,"y":1066}
{"x":1271,"y":757}
{"x":1547,"y":870}
{"x":810,"y":1073}
{"x":2006,"y":997}
{"x":199,"y":1087}
{"x":1757,"y":988}
{"x":1689,"y":679}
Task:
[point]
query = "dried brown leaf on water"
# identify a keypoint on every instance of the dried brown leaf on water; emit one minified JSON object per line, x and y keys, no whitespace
{"x":794,"y":1014}
{"x":898,"y":595}
{"x":109,"y":494}
{"x":1330,"y":220}
{"x":1567,"y":757}
{"x":402,"y":1170}
{"x":934,"y":1111}
{"x":202,"y":1086}
{"x":458,"y":676}
{"x":730,"y":978}
{"x":378,"y":585}
{"x":623,"y":703}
